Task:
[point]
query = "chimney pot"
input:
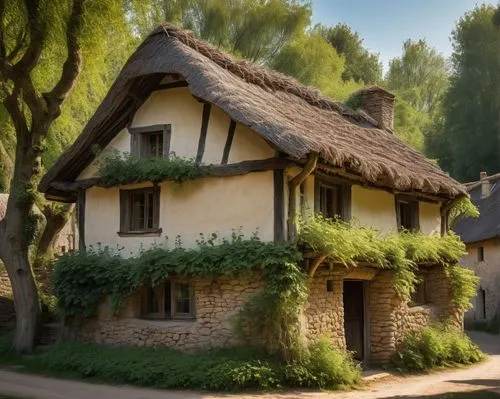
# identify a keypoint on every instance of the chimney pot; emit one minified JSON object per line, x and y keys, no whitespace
{"x":485,"y":185}
{"x":379,"y":104}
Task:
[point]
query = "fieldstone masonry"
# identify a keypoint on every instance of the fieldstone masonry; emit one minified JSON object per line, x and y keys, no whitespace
{"x":7,"y":311}
{"x":217,"y":302}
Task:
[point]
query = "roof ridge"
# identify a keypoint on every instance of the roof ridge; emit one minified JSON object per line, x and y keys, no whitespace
{"x":261,"y":76}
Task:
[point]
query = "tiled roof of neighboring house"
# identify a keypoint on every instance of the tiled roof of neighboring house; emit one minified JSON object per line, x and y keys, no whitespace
{"x":487,"y":225}
{"x":293,"y":118}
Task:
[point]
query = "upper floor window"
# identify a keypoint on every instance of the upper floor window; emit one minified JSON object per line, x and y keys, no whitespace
{"x":150,"y":141}
{"x":480,"y":254}
{"x":139,"y":210}
{"x":172,"y":299}
{"x":333,"y":200}
{"x":407,"y":214}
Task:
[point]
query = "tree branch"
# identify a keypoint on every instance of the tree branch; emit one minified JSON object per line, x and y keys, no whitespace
{"x":38,"y":34}
{"x":11,"y":104}
{"x":71,"y":67}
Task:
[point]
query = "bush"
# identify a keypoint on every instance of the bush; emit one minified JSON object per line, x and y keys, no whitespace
{"x":221,"y":370}
{"x":435,"y":346}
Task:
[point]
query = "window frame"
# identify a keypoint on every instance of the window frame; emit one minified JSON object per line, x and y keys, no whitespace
{"x":126,"y":212}
{"x":414,"y":209}
{"x":480,"y":254}
{"x":161,"y":291}
{"x":343,"y":197}
{"x":420,"y":296}
{"x":139,"y":135}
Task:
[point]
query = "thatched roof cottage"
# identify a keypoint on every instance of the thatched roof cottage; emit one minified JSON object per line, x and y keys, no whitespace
{"x":275,"y":149}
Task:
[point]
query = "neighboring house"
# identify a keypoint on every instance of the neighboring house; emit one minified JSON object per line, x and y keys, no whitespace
{"x":65,"y":242}
{"x":482,"y":237}
{"x":177,"y":94}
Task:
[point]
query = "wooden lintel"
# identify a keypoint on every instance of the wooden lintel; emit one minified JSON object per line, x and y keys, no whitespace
{"x":234,"y":169}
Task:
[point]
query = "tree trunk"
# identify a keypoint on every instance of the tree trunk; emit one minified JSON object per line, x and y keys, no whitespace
{"x":26,"y":300}
{"x":45,"y":248}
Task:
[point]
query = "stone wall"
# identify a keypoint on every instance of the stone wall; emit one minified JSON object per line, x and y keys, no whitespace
{"x":388,"y":317}
{"x":217,"y":302}
{"x":7,"y":311}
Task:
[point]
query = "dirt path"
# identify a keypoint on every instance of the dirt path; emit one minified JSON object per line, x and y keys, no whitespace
{"x":485,"y":376}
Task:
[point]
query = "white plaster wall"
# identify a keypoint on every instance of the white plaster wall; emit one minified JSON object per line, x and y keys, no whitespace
{"x":178,"y":108}
{"x":430,"y":217}
{"x":202,"y":206}
{"x":489,"y":273}
{"x":373,"y":208}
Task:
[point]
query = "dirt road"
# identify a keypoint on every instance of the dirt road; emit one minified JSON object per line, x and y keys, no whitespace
{"x":485,"y":376}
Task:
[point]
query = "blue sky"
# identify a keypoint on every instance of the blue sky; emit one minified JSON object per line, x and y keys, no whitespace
{"x":386,"y":24}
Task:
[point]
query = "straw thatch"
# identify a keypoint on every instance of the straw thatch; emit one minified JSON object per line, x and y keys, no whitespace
{"x":293,"y":118}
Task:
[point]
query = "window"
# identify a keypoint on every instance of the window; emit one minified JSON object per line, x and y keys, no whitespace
{"x":407,"y":214}
{"x":329,"y":285}
{"x":480,"y":254}
{"x":419,"y":296}
{"x":333,"y":200}
{"x":150,"y":141}
{"x":139,"y":210}
{"x":171,"y":299}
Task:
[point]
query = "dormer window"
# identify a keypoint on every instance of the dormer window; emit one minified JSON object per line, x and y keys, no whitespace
{"x":407,"y":214}
{"x":150,"y":141}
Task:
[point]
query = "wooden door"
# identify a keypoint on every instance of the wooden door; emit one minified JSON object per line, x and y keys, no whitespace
{"x":354,"y":317}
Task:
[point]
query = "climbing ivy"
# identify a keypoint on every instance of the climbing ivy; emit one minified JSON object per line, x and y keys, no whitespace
{"x":463,"y":208}
{"x":84,"y":278}
{"x":349,"y":244}
{"x":116,"y":168}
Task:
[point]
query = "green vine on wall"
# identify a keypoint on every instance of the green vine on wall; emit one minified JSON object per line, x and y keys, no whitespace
{"x":116,"y":168}
{"x":349,"y":245}
{"x":463,"y":208}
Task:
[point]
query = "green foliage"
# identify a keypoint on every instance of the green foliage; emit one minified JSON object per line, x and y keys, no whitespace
{"x":116,"y":168}
{"x":249,"y":29}
{"x":360,"y":65}
{"x":354,"y":101}
{"x":314,"y":62}
{"x":463,"y":208}
{"x":349,"y":244}
{"x":468,"y":140}
{"x":222,"y":370}
{"x":464,"y":285}
{"x":83,"y":279}
{"x":435,"y":346}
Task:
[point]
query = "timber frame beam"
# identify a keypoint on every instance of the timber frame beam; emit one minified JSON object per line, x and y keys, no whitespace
{"x":234,"y":169}
{"x":309,"y":167}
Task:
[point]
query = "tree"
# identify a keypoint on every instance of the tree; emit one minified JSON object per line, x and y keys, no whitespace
{"x":255,"y":30}
{"x":42,"y":44}
{"x":360,"y":65}
{"x":469,"y":141}
{"x":311,"y":60}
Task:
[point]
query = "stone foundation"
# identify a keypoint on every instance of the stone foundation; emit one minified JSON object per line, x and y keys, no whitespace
{"x":387,"y":316}
{"x":216,"y":301}
{"x":7,"y":311}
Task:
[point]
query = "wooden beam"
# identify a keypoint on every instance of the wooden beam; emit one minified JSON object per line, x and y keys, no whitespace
{"x":171,"y":85}
{"x":318,"y":261}
{"x":234,"y":169}
{"x":203,"y":132}
{"x":81,"y":218}
{"x":229,"y":142}
{"x":292,"y":192}
{"x":279,"y":205}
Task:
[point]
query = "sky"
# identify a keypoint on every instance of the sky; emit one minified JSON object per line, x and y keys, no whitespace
{"x":386,"y":24}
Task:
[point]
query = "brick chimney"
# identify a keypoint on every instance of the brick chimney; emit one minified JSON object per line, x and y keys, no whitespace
{"x":485,"y":185}
{"x":379,"y":104}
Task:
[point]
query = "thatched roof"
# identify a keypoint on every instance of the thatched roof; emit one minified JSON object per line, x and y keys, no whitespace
{"x":293,"y":118}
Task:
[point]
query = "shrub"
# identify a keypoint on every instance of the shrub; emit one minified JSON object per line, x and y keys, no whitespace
{"x":435,"y":346}
{"x":221,"y":370}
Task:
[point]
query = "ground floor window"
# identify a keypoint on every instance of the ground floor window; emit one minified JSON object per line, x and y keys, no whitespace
{"x":172,"y":299}
{"x":419,"y":296}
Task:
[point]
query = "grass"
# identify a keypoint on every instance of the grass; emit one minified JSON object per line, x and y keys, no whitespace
{"x":221,"y":370}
